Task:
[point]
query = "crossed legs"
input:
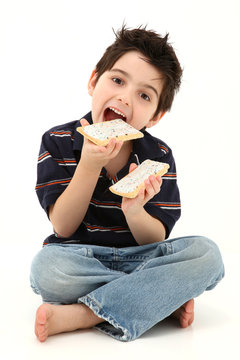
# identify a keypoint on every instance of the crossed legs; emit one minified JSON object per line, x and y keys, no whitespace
{"x":55,"y":319}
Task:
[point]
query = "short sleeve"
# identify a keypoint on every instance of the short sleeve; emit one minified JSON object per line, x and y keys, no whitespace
{"x":166,"y":204}
{"x":56,"y":166}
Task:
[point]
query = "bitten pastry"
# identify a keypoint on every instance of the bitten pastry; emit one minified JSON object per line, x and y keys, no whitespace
{"x":130,"y":185}
{"x":101,"y":133}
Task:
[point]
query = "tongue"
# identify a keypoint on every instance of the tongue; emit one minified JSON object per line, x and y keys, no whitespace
{"x":111,"y":115}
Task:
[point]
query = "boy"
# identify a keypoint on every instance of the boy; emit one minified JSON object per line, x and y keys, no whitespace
{"x":107,"y":265}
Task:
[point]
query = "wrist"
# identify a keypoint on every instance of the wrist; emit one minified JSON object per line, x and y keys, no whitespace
{"x":134,"y":215}
{"x":89,"y":168}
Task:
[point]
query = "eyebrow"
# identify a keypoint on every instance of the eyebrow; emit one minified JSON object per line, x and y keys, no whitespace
{"x":128,"y":76}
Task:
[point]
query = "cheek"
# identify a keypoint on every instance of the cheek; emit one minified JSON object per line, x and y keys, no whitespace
{"x":95,"y":106}
{"x":96,"y":97}
{"x":146,"y":111}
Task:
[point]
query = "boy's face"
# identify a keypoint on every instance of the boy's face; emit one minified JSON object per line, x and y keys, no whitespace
{"x":130,"y":90}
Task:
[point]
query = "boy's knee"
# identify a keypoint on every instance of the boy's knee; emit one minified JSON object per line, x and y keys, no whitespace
{"x":216,"y":265}
{"x":45,"y":272}
{"x":43,"y":263}
{"x":211,"y":261}
{"x":212,"y":252}
{"x":57,"y":274}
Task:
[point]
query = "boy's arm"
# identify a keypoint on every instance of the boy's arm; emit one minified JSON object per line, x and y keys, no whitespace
{"x":70,"y":208}
{"x":145,"y":228}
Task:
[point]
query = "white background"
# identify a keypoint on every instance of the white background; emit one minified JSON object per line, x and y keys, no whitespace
{"x":48,"y":49}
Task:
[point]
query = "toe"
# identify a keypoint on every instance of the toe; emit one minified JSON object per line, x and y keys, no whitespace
{"x":42,"y":333}
{"x":41,"y":323}
{"x":183,"y":321}
{"x":189,"y":306}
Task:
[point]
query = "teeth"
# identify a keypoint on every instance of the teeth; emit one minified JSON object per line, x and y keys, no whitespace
{"x":117,"y":112}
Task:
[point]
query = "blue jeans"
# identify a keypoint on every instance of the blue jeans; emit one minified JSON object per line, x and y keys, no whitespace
{"x":131,"y":288}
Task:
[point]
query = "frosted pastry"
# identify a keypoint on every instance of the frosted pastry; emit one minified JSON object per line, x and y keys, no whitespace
{"x":130,"y":185}
{"x":101,"y":133}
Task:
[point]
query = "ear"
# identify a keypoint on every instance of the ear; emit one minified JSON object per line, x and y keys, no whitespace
{"x":92,"y":82}
{"x":155,"y":119}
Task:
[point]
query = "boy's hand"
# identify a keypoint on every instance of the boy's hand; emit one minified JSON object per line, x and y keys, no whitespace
{"x":152,"y":187}
{"x":95,"y":157}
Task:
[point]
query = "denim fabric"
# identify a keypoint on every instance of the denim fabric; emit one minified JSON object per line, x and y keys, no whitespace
{"x":131,"y":288}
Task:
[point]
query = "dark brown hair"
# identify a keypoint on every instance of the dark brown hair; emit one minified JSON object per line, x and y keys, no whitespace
{"x":157,"y":51}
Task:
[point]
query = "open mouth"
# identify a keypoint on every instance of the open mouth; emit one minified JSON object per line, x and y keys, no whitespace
{"x":111,"y":114}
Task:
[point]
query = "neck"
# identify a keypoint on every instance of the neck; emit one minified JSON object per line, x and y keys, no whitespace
{"x":116,"y":164}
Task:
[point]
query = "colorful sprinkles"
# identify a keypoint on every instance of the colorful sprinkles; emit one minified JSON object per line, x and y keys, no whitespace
{"x":131,"y":184}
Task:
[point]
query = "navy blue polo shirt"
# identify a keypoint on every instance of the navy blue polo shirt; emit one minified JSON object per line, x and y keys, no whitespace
{"x":104,"y":223}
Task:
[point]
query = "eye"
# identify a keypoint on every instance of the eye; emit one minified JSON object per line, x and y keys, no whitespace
{"x":117,"y":80}
{"x":144,"y":96}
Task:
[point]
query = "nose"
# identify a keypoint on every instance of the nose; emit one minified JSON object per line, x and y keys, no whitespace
{"x":124,"y":98}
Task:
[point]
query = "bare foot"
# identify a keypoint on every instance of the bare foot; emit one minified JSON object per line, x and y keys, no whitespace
{"x":185,"y":314}
{"x":55,"y":319}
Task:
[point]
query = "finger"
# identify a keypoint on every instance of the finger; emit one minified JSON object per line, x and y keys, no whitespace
{"x":114,"y":147}
{"x":153,"y":187}
{"x":159,"y":179}
{"x":84,"y":122}
{"x":94,"y":147}
{"x":141,"y":194}
{"x":140,"y":198}
{"x":117,"y":148}
{"x":111,"y":145}
{"x":156,"y":183}
{"x":107,"y":148}
{"x":149,"y":188}
{"x":132,"y":167}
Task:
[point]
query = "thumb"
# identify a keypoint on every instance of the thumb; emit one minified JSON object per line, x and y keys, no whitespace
{"x":84,"y":122}
{"x":132,"y":167}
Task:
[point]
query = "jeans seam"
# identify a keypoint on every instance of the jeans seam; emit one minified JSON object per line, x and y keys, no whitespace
{"x":96,"y":308}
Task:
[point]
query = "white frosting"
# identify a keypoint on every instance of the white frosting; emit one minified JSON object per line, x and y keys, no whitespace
{"x":131,"y":182}
{"x":109,"y":129}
